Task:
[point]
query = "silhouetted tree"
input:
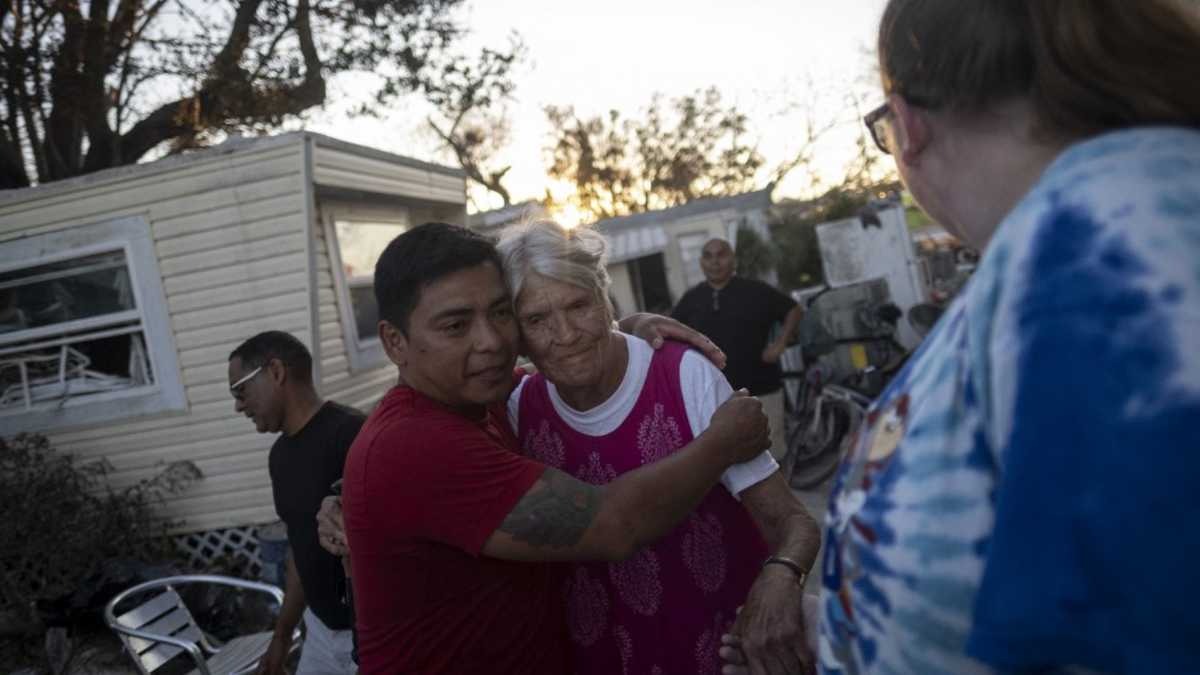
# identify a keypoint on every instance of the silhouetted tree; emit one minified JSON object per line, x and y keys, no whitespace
{"x":471,"y":117}
{"x":91,"y":85}
{"x":682,"y":149}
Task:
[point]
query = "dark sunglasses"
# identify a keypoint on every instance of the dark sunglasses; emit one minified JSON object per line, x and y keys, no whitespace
{"x":876,"y":122}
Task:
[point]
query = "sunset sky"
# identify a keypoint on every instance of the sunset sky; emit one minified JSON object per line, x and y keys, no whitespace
{"x":779,"y":61}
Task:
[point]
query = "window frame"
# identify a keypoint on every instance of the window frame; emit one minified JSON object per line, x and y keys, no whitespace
{"x":692,"y":273}
{"x":132,"y":235}
{"x":368,"y":353}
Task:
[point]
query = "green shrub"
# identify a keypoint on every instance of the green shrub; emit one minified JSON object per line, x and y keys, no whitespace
{"x":62,"y":522}
{"x":755,"y":259}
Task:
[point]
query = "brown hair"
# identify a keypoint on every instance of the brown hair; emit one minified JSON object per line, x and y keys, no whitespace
{"x":1087,"y":66}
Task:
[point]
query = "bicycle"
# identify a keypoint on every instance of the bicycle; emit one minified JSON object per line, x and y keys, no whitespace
{"x":826,"y":414}
{"x":827,"y":411}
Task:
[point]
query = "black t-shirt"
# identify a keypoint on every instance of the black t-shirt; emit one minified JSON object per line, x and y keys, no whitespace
{"x":302,"y":469}
{"x":738,"y":318}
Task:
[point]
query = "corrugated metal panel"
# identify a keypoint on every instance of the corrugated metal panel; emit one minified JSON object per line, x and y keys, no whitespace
{"x":229,"y":233}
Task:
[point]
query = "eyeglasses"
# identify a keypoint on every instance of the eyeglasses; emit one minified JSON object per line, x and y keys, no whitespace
{"x":237,"y":387}
{"x":876,"y":122}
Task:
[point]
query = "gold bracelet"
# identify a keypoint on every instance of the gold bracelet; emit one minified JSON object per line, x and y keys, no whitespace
{"x":794,"y":566}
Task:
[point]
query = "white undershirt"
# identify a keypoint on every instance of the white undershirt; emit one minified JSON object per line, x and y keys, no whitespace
{"x":704,"y":389}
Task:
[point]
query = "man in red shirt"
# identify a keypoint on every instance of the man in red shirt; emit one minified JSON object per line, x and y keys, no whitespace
{"x":452,"y":531}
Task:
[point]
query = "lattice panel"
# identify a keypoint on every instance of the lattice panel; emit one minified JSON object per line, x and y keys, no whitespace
{"x":231,"y":551}
{"x":234,"y":551}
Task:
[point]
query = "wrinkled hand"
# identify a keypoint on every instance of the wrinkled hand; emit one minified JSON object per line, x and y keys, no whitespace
{"x":331,"y":530}
{"x":773,"y":352}
{"x":740,"y":427}
{"x":771,"y":624}
{"x":733,"y":653}
{"x":277,"y":653}
{"x":735,"y":659}
{"x":654,"y":328}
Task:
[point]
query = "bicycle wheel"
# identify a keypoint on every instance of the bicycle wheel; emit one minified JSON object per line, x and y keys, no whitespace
{"x":818,"y":461}
{"x":804,"y":443}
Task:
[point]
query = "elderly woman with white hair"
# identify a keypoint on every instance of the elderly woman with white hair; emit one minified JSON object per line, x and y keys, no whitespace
{"x":603,"y":403}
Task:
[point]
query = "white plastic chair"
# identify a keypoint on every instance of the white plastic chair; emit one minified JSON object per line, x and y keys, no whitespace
{"x":161,"y":628}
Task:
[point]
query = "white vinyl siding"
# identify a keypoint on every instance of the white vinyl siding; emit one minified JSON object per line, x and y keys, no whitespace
{"x":239,"y":248}
{"x":229,"y":238}
{"x":336,"y":167}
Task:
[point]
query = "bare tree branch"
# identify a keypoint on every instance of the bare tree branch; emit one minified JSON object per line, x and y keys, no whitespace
{"x":12,"y":163}
{"x":64,"y":128}
{"x":74,"y":73}
{"x":470,"y":121}
{"x":16,"y":92}
{"x":493,"y":181}
{"x":121,"y":32}
{"x":813,"y":132}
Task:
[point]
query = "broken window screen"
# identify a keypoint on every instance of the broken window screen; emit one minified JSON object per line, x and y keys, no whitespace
{"x":65,"y":291}
{"x":69,"y":329}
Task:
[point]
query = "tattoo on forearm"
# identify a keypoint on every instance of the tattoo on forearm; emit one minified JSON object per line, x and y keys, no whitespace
{"x":556,"y":515}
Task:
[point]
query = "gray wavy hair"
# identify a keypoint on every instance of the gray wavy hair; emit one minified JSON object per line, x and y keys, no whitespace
{"x":577,"y":256}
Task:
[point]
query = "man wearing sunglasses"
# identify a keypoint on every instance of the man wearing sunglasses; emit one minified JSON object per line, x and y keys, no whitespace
{"x":738,"y":314}
{"x":270,"y":377}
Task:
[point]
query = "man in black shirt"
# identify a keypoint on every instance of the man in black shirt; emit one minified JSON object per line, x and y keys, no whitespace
{"x":738,"y":314}
{"x":270,"y":377}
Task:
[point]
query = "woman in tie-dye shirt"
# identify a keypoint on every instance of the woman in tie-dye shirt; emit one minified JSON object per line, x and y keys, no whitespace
{"x":1024,"y":495}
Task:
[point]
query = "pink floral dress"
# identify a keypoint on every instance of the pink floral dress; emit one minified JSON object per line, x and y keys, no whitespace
{"x":663,"y":610}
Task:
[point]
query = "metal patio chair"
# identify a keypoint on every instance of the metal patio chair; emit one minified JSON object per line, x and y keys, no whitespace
{"x":161,"y":628}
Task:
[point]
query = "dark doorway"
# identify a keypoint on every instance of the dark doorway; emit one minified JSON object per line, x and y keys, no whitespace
{"x":650,"y":284}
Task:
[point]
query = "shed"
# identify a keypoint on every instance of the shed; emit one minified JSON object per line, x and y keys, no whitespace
{"x":122,"y":293}
{"x":654,"y":257}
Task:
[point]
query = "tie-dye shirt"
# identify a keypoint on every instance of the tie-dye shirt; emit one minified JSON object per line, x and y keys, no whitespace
{"x":1026,"y":492}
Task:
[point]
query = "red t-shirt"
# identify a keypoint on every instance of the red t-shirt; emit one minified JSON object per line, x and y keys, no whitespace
{"x":424,"y":489}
